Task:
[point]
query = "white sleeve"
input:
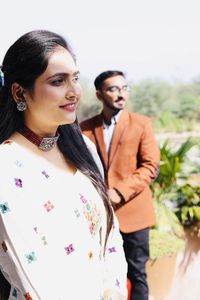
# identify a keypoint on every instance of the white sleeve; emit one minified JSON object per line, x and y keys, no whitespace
{"x":11,"y":268}
{"x":115,"y":282}
{"x":92,"y":148}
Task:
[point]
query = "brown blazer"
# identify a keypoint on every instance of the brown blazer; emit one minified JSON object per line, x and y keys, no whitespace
{"x":131,"y":166}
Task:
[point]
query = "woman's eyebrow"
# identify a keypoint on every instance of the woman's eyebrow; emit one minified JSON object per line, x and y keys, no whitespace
{"x":76,"y":73}
{"x":64,"y":74}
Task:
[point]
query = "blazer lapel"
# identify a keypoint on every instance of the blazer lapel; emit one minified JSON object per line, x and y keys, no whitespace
{"x":118,"y":134}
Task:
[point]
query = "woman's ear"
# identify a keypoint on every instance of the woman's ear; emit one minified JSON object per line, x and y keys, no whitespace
{"x":17,"y":92}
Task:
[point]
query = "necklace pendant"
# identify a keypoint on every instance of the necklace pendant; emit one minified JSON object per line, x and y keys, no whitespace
{"x":47,"y":144}
{"x":43,"y":143}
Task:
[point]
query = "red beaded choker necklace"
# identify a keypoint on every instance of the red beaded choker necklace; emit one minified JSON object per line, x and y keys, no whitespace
{"x":43,"y":143}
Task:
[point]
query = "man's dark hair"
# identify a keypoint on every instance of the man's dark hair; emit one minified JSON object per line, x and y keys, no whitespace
{"x":103,"y":76}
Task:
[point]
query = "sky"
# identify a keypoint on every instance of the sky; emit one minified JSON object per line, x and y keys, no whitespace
{"x":147,"y":39}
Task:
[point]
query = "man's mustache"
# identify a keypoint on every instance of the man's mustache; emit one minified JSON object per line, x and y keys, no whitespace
{"x":119,"y":99}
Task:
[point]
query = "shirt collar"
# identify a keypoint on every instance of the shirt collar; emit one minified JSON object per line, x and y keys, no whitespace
{"x":114,"y":120}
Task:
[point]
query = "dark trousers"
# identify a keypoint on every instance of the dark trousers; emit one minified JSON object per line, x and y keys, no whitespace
{"x":4,"y":288}
{"x":136,"y":248}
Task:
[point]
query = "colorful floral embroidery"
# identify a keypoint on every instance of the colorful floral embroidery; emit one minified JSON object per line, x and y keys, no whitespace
{"x":27,"y":296}
{"x":112,"y":249}
{"x":69,"y":249}
{"x":41,"y":236}
{"x":4,"y":208}
{"x":92,"y":228}
{"x":92,"y":215}
{"x":18,"y":182}
{"x":90,"y":255}
{"x":117,"y":283}
{"x":49,"y":206}
{"x":35,"y":229}
{"x":3,"y":245}
{"x":83,"y":199}
{"x":31,"y":257}
{"x":44,"y":240}
{"x":45,"y":174}
{"x":18,"y":163}
{"x":77,"y":213}
{"x":14,"y":293}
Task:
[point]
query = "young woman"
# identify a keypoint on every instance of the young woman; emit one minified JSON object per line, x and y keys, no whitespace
{"x":59,"y":239}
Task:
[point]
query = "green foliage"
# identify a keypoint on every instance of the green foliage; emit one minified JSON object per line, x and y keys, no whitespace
{"x":172,"y":187}
{"x":168,"y":122}
{"x":149,"y":97}
{"x":187,"y":202}
{"x":173,"y":107}
{"x":187,"y":101}
{"x":174,"y":203}
{"x":164,"y":244}
{"x":172,"y":164}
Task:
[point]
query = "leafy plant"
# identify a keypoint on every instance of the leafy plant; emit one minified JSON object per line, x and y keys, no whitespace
{"x":187,"y":202}
{"x":171,"y":200}
{"x":172,"y":164}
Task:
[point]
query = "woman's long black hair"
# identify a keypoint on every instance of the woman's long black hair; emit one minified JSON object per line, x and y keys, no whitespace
{"x":24,"y":61}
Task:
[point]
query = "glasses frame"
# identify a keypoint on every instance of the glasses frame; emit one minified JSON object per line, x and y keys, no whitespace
{"x":116,"y":89}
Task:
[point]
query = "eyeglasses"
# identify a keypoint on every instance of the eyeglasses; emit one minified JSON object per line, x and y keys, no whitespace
{"x":114,"y":89}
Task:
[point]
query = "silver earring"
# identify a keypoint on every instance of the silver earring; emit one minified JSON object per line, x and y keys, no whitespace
{"x":21,"y":105}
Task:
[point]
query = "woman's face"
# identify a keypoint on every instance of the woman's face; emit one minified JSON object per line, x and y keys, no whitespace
{"x":55,"y":96}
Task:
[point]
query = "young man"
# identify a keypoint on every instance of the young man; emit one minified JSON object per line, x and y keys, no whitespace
{"x":130,"y":156}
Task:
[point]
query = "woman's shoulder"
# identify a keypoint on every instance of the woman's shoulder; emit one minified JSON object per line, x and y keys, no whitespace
{"x":6,"y":146}
{"x":7,"y":150}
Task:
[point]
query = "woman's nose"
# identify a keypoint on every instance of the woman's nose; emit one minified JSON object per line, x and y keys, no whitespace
{"x":74,"y":91}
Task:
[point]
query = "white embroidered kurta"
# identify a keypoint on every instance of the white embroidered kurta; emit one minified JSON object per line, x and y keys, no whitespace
{"x":52,"y":232}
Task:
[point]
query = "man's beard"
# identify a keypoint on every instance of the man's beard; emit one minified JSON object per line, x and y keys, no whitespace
{"x":113,"y":108}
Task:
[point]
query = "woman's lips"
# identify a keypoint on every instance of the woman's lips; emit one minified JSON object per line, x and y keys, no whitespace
{"x":69,"y":106}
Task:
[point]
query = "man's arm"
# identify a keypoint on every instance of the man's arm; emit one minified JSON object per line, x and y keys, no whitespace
{"x":148,"y":166}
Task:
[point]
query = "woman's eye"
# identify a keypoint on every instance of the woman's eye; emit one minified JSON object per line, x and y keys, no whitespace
{"x":76,"y":79}
{"x":57,"y":82}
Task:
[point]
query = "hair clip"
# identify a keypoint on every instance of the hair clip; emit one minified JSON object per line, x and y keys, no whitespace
{"x":1,"y":77}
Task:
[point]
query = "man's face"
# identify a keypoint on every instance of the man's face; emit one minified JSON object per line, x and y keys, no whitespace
{"x":114,"y":93}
